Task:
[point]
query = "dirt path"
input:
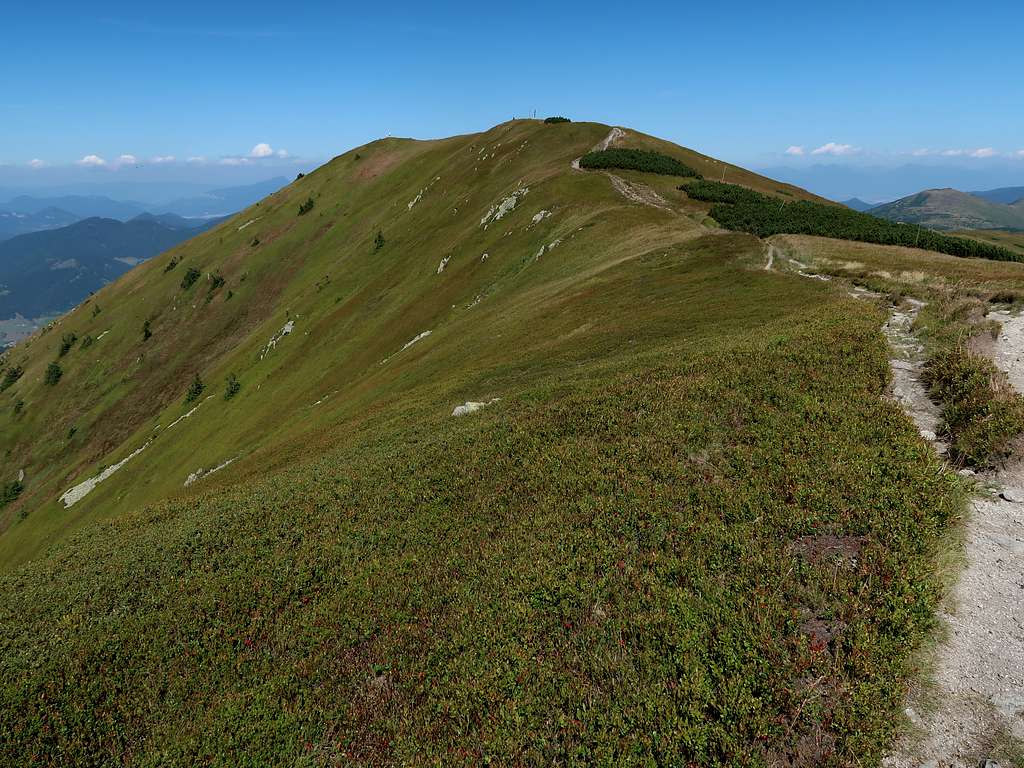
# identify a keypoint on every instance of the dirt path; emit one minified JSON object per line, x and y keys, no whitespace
{"x":771,"y":258}
{"x":634,"y":192}
{"x":975,"y":699}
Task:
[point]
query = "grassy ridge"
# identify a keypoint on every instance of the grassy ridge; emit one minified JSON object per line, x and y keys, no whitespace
{"x":745,"y":210}
{"x":636,"y":160}
{"x":624,"y":564}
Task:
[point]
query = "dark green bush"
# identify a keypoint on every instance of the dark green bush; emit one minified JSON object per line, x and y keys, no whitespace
{"x":10,"y":491}
{"x":557,"y":119}
{"x":216,"y":281}
{"x":231,"y":386}
{"x":637,"y":160}
{"x":96,"y":310}
{"x":53,"y":374}
{"x":171,"y":264}
{"x":87,"y":341}
{"x":306,"y":207}
{"x":378,"y":241}
{"x":190,"y":277}
{"x":195,"y":389}
{"x":982,"y":412}
{"x":19,"y":407}
{"x":745,"y":210}
{"x":66,"y":342}
{"x":146,"y":332}
{"x":11,"y":375}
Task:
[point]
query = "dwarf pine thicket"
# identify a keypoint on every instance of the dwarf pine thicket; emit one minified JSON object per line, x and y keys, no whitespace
{"x":745,"y":210}
{"x":637,"y":160}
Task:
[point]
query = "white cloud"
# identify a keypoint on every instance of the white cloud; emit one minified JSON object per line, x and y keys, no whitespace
{"x":921,"y":152}
{"x":162,"y":159}
{"x":282,"y":153}
{"x":984,"y":152}
{"x":36,"y":163}
{"x":234,"y":161}
{"x":197,"y":160}
{"x":127,"y":160}
{"x":795,"y":150}
{"x":92,"y":160}
{"x":952,"y":153}
{"x":261,"y":150}
{"x":835,"y":149}
{"x":1019,"y":153}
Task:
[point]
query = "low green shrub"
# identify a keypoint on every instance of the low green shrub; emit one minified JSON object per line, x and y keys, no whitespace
{"x":10,"y":491}
{"x":146,"y":332}
{"x":189,"y":278}
{"x":637,"y":160}
{"x":306,"y":207}
{"x":195,"y":389}
{"x":53,"y":374}
{"x":982,"y":413}
{"x":11,"y":375}
{"x":171,"y":264}
{"x":66,"y":342}
{"x":231,"y":386}
{"x":557,"y":119}
{"x":378,"y":241}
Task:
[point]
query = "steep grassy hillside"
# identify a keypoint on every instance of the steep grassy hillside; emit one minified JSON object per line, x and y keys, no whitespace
{"x":685,"y":528}
{"x":950,"y":209}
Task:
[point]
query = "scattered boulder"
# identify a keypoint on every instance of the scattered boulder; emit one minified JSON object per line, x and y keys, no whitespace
{"x":472,"y":407}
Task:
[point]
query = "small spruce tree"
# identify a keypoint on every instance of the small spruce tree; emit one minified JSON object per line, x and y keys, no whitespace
{"x":53,"y":374}
{"x":195,"y":389}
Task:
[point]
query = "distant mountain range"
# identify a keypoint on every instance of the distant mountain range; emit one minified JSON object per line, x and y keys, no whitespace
{"x":47,"y":272}
{"x":80,"y":206}
{"x":1005,"y":195}
{"x":857,"y":204}
{"x":838,"y":181}
{"x":950,"y":209}
{"x":23,"y":213}
{"x":13,"y":223}
{"x":220,"y":202}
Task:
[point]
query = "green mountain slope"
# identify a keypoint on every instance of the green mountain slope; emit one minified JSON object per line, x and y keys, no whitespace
{"x":611,"y":561}
{"x":950,"y":209}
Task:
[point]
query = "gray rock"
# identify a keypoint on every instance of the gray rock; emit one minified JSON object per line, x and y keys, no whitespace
{"x":1015,"y":495}
{"x":928,"y":435}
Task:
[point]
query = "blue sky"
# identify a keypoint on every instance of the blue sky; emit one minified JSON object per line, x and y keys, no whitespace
{"x":867,"y":83}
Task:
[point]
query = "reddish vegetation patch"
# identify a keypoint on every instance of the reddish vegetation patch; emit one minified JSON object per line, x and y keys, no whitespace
{"x":828,"y":547}
{"x":372,"y":167}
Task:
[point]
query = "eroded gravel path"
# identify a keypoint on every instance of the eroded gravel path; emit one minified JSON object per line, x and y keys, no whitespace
{"x":975,"y":698}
